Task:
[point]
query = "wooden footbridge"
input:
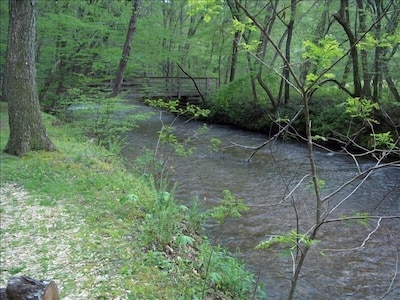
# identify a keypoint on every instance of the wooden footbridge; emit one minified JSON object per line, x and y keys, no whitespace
{"x":170,"y":87}
{"x":186,"y":89}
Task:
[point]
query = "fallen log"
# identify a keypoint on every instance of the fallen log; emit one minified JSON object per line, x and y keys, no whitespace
{"x":26,"y":288}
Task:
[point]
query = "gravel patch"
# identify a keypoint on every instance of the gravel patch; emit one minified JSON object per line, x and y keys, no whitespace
{"x":46,"y":242}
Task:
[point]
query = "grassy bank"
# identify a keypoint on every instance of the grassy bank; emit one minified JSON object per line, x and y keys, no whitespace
{"x":77,"y":216}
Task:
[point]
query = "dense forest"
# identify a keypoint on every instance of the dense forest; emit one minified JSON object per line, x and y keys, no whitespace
{"x":265,"y":55}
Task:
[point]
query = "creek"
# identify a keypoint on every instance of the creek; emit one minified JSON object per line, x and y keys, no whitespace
{"x":347,"y":263}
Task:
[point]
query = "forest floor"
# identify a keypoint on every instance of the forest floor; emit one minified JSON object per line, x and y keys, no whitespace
{"x":37,"y":238}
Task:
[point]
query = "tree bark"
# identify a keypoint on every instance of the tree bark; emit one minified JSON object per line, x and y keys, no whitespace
{"x":235,"y":41}
{"x":342,"y":18}
{"x":24,"y":288}
{"x":288,"y":50}
{"x":126,"y":50}
{"x":27,"y":131}
{"x":391,"y":84}
{"x":366,"y":74}
{"x":269,"y":21}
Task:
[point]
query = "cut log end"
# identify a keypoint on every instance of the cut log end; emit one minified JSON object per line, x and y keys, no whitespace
{"x":26,"y":288}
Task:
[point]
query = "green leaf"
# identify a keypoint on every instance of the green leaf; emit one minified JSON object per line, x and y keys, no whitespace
{"x":329,"y":75}
{"x":289,"y":241}
{"x":129,"y":197}
{"x":361,"y":108}
{"x":311,"y":78}
{"x":319,"y":137}
{"x":206,"y":8}
{"x":230,"y":207}
{"x":183,"y":240}
{"x":383,"y":140}
{"x":324,"y":52}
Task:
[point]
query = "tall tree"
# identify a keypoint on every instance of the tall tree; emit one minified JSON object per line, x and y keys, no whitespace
{"x":343,"y":18}
{"x":27,"y":131}
{"x":235,"y":41}
{"x":127,"y":49}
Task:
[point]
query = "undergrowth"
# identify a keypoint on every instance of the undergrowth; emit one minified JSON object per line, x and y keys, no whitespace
{"x":112,"y":234}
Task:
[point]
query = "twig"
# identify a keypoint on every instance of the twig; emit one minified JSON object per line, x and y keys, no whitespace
{"x":366,"y":173}
{"x":378,"y":224}
{"x":396,"y":271}
{"x":295,"y":188}
{"x":256,"y":148}
{"x":360,"y":218}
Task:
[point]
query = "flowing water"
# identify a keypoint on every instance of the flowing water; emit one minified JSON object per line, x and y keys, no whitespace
{"x":347,"y":263}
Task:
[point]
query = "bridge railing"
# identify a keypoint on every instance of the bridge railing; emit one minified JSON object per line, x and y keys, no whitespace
{"x":170,"y":87}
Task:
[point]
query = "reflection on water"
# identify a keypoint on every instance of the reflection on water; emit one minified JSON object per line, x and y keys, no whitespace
{"x":337,"y":268}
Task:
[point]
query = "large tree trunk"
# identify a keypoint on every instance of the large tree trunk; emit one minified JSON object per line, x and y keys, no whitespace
{"x":127,"y":49}
{"x":27,"y":131}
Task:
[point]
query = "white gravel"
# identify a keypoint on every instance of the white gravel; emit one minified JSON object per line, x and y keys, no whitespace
{"x":44,"y":242}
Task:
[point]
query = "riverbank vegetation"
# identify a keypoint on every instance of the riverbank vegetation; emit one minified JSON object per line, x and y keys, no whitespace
{"x":79,"y":217}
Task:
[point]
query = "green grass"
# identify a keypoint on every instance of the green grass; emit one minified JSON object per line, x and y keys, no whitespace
{"x":63,"y":219}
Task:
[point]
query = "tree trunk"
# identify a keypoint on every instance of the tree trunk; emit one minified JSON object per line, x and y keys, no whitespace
{"x":388,"y":52}
{"x":235,"y":41}
{"x":269,"y":21}
{"x":126,"y":50}
{"x":366,"y":74}
{"x":27,"y":131}
{"x":234,"y":55}
{"x":342,"y":18}
{"x":24,"y":288}
{"x":391,"y":84}
{"x":288,"y":49}
{"x":377,"y":77}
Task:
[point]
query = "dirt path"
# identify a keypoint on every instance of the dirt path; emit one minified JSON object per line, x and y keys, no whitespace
{"x":36,"y":241}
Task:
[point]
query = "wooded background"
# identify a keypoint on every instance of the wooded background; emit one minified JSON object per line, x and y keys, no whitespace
{"x":256,"y":49}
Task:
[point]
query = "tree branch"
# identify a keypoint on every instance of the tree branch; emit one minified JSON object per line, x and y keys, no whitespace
{"x":194,"y":82}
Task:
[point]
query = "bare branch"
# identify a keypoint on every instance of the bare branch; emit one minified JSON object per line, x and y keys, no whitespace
{"x":274,"y":137}
{"x":389,"y":292}
{"x":378,"y":224}
{"x":396,"y":271}
{"x":295,"y":188}
{"x":275,"y":71}
{"x":364,"y":174}
{"x":360,"y":218}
